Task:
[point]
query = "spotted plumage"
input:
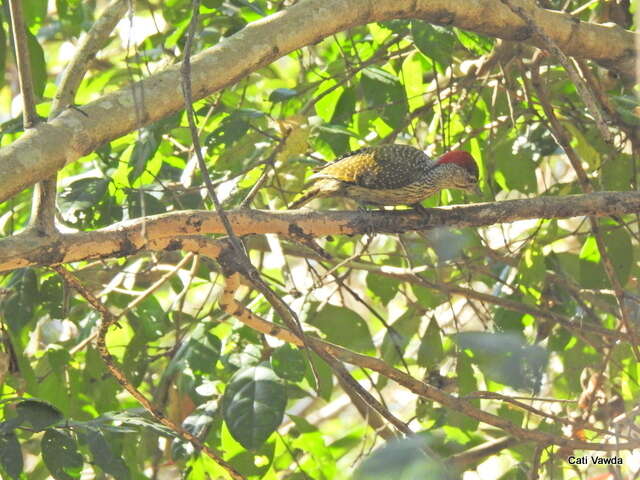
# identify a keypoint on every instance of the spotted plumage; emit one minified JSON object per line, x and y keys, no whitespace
{"x":392,"y":175}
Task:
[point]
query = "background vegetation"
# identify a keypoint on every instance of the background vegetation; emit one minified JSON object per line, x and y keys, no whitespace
{"x":532,"y":322}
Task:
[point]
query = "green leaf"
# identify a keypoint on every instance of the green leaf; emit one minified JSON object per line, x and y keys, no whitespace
{"x":152,"y":319}
{"x":474,"y":42}
{"x":212,"y":3}
{"x":326,"y":105}
{"x":505,"y":358}
{"x":617,"y":174}
{"x":336,"y":136}
{"x":321,"y":462}
{"x":325,"y":376}
{"x":345,"y":108}
{"x":619,"y":249}
{"x":254,"y":463}
{"x":412,"y":73}
{"x":289,"y":363}
{"x":253,"y":405}
{"x":71,"y":13}
{"x":60,"y":455}
{"x":384,"y":288}
{"x":467,"y":382}
{"x":344,"y":327}
{"x":230,"y":130}
{"x":38,"y":414}
{"x":35,"y":13}
{"x":402,"y":460}
{"x":18,"y":308}
{"x":51,"y":296}
{"x":628,"y":107}
{"x":11,"y":455}
{"x":202,"y":350}
{"x":136,"y":358}
{"x":531,"y":272}
{"x":517,"y":168}
{"x":104,"y":387}
{"x":82,"y":195}
{"x":249,"y":356}
{"x":384,"y":93}
{"x":434,"y":42}
{"x":104,"y":457}
{"x":431,"y":352}
{"x":144,"y":149}
{"x":38,"y":64}
{"x":198,"y":423}
{"x":152,"y":206}
{"x":282,"y":94}
{"x":136,"y":417}
{"x":585,"y":150}
{"x":398,"y":335}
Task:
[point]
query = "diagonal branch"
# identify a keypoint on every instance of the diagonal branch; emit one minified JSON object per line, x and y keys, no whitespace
{"x":416,"y":386}
{"x":108,"y":320}
{"x":43,"y":207}
{"x":588,"y":96}
{"x":563,"y":138}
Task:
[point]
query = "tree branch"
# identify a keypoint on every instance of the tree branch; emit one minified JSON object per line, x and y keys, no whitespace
{"x":128,"y":237}
{"x":90,"y":44}
{"x":71,"y":135}
{"x":108,"y":320}
{"x":23,"y":62}
{"x":43,"y":208}
{"x":416,"y":386}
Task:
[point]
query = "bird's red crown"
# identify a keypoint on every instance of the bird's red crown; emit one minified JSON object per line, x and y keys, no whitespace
{"x":461,"y":158}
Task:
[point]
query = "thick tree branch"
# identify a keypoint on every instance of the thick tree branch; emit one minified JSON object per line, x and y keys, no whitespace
{"x":132,"y":236}
{"x":71,"y":135}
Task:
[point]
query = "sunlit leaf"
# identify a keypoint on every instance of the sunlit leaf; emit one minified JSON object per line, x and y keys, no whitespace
{"x":344,"y":327}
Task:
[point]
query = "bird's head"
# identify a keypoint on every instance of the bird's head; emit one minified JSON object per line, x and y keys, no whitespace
{"x":462,"y":170}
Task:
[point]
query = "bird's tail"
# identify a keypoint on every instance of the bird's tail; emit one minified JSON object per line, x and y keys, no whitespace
{"x":305,"y":198}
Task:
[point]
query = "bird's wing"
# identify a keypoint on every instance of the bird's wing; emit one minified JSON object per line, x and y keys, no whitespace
{"x":384,"y":167}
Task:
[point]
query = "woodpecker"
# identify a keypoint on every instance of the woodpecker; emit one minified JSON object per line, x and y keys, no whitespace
{"x":392,"y":175}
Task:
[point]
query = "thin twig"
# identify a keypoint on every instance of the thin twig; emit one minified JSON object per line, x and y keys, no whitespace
{"x":229,"y":303}
{"x":80,"y":346}
{"x":588,"y":97}
{"x":562,"y":137}
{"x":185,"y":71}
{"x":90,"y":44}
{"x":25,"y":79}
{"x":239,"y":311}
{"x":535,"y":466}
{"x":108,"y":319}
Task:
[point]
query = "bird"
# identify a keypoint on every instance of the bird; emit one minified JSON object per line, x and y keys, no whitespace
{"x":389,"y":175}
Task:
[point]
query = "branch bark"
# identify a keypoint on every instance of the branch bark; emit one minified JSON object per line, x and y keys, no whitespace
{"x":422,"y":389}
{"x":129,"y":237}
{"x":71,"y":135}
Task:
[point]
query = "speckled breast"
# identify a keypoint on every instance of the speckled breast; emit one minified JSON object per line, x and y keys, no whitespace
{"x":407,"y":195}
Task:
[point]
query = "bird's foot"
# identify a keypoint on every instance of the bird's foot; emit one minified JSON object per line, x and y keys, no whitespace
{"x":419,"y":208}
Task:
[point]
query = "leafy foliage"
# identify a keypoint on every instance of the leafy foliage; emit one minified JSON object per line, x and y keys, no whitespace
{"x":509,"y":310}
